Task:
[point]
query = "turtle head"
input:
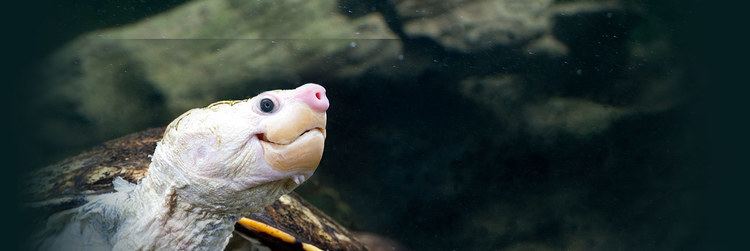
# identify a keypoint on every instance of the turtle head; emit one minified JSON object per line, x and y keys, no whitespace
{"x":245,"y":153}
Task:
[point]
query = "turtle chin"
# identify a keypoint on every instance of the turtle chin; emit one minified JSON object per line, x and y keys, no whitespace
{"x":297,"y":159}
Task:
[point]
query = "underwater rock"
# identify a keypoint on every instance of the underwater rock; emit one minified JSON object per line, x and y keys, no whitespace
{"x":578,"y":117}
{"x":469,"y":26}
{"x":510,"y":98}
{"x":599,"y":78}
{"x":98,"y":85}
{"x":477,"y":25}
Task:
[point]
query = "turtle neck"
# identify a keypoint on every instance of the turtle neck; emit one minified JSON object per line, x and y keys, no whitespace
{"x":160,"y":218}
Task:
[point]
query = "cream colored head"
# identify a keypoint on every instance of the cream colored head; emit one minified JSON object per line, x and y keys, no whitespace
{"x":244,"y":153}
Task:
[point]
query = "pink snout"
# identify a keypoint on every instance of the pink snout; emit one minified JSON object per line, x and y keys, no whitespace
{"x":314,"y":96}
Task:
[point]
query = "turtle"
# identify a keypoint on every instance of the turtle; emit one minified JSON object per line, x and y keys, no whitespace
{"x":219,"y":177}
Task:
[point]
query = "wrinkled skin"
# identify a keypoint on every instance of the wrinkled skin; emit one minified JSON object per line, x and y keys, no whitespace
{"x":212,"y":166}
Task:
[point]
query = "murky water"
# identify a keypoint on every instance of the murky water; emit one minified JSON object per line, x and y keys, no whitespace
{"x":479,"y":125}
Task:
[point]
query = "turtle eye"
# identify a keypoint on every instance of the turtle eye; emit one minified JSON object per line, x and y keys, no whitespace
{"x":266,"y":105}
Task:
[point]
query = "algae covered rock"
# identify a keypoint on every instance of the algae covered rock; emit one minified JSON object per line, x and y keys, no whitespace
{"x":200,"y":52}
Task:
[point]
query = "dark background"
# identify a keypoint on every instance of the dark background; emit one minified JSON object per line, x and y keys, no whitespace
{"x":678,"y":144}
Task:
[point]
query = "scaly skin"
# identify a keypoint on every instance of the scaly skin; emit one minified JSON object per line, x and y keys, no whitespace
{"x":213,"y":165}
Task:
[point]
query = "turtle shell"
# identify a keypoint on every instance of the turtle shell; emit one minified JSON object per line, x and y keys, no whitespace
{"x":67,"y":184}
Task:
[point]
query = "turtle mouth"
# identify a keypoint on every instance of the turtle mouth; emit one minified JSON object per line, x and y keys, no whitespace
{"x":299,"y":155}
{"x":262,"y":136}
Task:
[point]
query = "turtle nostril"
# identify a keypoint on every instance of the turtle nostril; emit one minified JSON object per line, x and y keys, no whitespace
{"x":314,"y":96}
